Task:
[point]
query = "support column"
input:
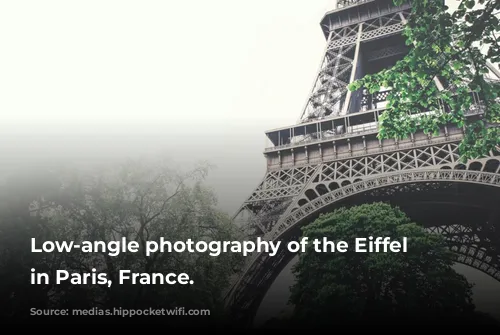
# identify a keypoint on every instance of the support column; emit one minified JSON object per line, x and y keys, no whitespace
{"x":347,"y":101}
{"x":322,"y":63}
{"x":493,"y":69}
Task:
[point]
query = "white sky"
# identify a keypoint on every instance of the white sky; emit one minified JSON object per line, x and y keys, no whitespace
{"x":194,"y":79}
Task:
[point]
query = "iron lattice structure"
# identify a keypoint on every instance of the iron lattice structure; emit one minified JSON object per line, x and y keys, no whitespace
{"x":332,"y":157}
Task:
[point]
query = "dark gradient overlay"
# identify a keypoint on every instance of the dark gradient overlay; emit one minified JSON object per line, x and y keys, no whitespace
{"x":129,"y":200}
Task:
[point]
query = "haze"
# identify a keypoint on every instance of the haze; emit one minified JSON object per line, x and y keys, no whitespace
{"x":92,"y":81}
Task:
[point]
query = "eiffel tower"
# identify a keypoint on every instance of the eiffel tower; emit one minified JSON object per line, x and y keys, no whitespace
{"x":332,"y":157}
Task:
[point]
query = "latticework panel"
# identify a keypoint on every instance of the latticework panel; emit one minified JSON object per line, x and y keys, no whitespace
{"x":292,"y":217}
{"x":258,"y":218}
{"x":387,"y":52}
{"x":379,"y":27}
{"x":334,"y":175}
{"x":389,"y":162}
{"x":282,"y":183}
{"x":295,"y":188}
{"x":346,"y":3}
{"x":289,"y":182}
{"x":469,"y":248}
{"x":330,"y":88}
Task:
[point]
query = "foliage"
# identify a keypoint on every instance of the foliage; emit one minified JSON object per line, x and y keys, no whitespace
{"x":139,"y":201}
{"x":335,"y":287}
{"x":447,"y":46}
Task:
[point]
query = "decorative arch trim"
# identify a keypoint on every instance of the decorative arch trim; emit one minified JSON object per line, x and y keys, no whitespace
{"x":401,"y":177}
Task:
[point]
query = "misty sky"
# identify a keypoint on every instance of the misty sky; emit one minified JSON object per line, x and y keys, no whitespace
{"x":90,"y":81}
{"x":93,"y":81}
{"x":195,"y":80}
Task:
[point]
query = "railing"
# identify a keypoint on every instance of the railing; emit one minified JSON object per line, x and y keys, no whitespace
{"x":375,"y":100}
{"x":369,"y":102}
{"x":312,"y":138}
{"x":347,"y":3}
{"x":361,"y":152}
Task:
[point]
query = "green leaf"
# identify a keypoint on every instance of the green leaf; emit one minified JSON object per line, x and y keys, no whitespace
{"x":470,"y":4}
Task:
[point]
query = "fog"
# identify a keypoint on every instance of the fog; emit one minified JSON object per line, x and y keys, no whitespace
{"x":94,"y":81}
{"x":90,"y":82}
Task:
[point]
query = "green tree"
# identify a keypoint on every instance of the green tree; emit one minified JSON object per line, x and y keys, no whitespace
{"x":453,"y":48}
{"x":349,"y":286}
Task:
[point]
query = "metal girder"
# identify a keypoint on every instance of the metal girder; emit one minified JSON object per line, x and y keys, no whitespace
{"x":386,"y":52}
{"x":465,"y":242}
{"x":285,"y":190}
{"x":329,"y":95}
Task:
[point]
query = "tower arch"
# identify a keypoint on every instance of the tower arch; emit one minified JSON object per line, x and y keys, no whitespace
{"x":468,"y":241}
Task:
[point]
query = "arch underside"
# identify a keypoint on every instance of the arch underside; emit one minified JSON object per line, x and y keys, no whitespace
{"x":459,"y":204}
